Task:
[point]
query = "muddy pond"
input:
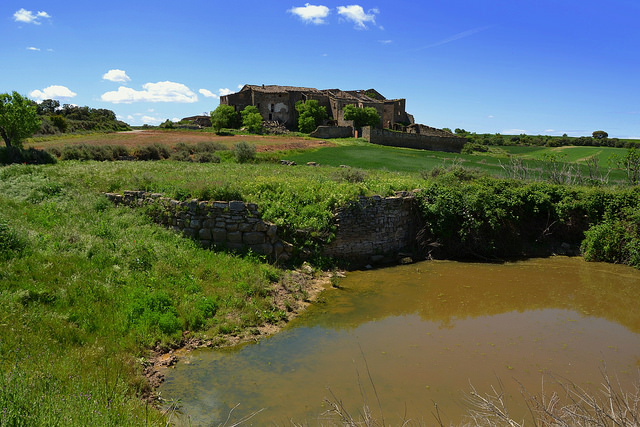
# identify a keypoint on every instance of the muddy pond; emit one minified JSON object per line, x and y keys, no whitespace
{"x":421,"y":334}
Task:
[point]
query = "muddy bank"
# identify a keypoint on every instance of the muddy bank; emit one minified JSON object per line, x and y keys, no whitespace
{"x":303,"y":282}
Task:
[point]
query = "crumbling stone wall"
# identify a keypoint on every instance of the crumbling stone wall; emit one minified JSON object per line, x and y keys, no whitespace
{"x":433,"y":142}
{"x":328,"y":132}
{"x":234,"y":225}
{"x":375,"y":229}
{"x":372,"y":230}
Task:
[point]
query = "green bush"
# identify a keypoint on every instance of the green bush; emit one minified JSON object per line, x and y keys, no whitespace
{"x":11,"y":245}
{"x":32,"y":156}
{"x":206,"y":157}
{"x":152,"y":152}
{"x":244,"y":152}
{"x":616,"y":239}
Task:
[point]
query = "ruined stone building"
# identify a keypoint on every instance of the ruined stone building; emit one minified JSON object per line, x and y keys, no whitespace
{"x":277,"y":103}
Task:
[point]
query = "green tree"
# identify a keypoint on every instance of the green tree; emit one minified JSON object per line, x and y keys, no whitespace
{"x":48,"y":107}
{"x":252,"y":119}
{"x":367,"y":116}
{"x":18,"y":118}
{"x":631,"y":164}
{"x":600,"y":134}
{"x":311,"y":115}
{"x":224,"y":116}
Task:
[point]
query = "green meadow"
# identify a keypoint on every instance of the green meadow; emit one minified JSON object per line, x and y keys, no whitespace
{"x":89,"y":288}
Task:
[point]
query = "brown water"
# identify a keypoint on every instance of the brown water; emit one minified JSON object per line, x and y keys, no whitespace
{"x":425,"y":333}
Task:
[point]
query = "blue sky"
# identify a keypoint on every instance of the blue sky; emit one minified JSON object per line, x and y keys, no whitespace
{"x":519,"y":66}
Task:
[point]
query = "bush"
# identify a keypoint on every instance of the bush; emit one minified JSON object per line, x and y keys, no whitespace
{"x":614,"y":240}
{"x":353,"y":175}
{"x":244,"y":152}
{"x":9,"y":155}
{"x":152,"y":152}
{"x":11,"y":245}
{"x":206,"y":157}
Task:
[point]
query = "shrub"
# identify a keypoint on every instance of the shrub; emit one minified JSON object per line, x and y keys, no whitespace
{"x":9,"y":155}
{"x":614,"y":240}
{"x":244,"y":152}
{"x":353,"y":175}
{"x":152,"y":152}
{"x":206,"y":157}
{"x":11,"y":245}
{"x":209,"y":147}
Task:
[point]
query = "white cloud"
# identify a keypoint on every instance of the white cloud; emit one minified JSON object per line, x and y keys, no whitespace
{"x":208,"y":94}
{"x":153,"y":92}
{"x":52,"y":92}
{"x":116,"y":75}
{"x":28,"y":17}
{"x":490,"y":116}
{"x":240,"y":86}
{"x":385,"y":41}
{"x":33,"y":48}
{"x":311,"y":13}
{"x":221,"y":92}
{"x":357,"y":15}
{"x":151,"y":120}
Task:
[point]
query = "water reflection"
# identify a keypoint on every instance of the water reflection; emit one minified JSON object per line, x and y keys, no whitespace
{"x":425,"y":331}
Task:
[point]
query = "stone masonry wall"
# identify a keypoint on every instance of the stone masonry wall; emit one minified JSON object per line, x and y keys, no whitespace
{"x":412,"y":140}
{"x":372,"y":230}
{"x":328,"y":132}
{"x":375,"y":229}
{"x":234,"y":225}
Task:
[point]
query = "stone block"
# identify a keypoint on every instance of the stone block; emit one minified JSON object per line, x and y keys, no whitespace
{"x":244,"y":227}
{"x":233,"y":226}
{"x":263,"y":249}
{"x":219,"y":235}
{"x":205,"y":234}
{"x":254,"y":238}
{"x":261,"y":226}
{"x":236,"y":206}
{"x":234,"y":237}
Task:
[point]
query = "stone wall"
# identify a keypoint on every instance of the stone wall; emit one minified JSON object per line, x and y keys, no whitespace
{"x":233,"y":225}
{"x":375,"y":229}
{"x":451,"y":144}
{"x":372,"y":230}
{"x":328,"y":132}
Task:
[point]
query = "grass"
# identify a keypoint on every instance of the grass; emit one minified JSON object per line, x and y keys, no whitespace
{"x":369,"y":156}
{"x":92,"y":287}
{"x":87,"y":287}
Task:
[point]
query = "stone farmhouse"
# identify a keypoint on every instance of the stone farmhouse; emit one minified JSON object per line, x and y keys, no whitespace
{"x":277,"y":103}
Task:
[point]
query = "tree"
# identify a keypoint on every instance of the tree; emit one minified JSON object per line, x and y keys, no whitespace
{"x":631,"y":164}
{"x":48,"y":107}
{"x":252,"y":119}
{"x":367,"y":116}
{"x":225,"y":116}
{"x":600,"y":134}
{"x":311,"y":115}
{"x":18,"y":118}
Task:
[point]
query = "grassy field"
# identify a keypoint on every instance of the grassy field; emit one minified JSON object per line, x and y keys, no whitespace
{"x":88,"y":288}
{"x":368,"y":156}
